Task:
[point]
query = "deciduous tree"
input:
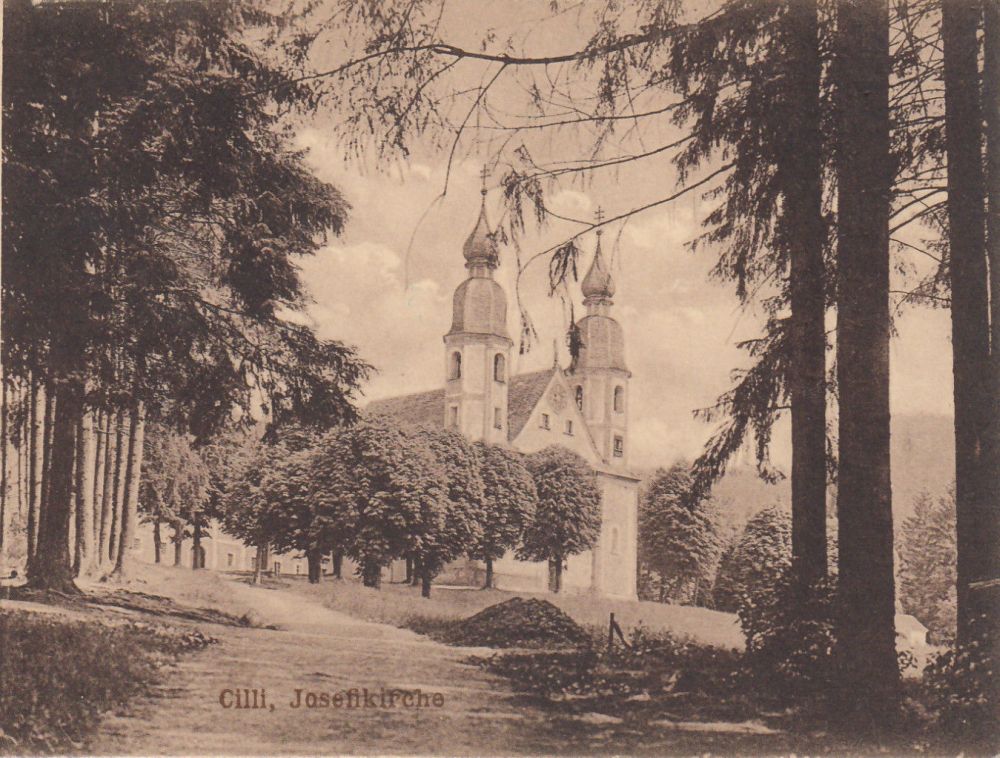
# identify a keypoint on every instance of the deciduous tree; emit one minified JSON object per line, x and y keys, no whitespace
{"x":510,"y":499}
{"x":567,"y":518}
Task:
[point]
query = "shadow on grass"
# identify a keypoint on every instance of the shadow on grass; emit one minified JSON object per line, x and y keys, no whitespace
{"x":131,"y":600}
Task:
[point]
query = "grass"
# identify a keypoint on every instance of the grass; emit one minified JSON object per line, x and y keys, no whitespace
{"x":401,"y":605}
{"x":59,"y":674}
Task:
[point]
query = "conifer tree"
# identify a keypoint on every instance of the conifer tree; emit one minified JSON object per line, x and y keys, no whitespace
{"x":865,"y":632}
{"x":677,"y":535}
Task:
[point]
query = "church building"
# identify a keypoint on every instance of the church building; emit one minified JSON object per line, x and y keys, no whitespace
{"x":584,"y":408}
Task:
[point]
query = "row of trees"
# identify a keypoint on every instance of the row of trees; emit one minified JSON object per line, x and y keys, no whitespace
{"x":153,"y":209}
{"x":377,"y":493}
{"x":825,"y":136}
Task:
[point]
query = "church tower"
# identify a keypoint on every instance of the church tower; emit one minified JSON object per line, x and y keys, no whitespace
{"x":599,"y":376}
{"x":477,"y":347}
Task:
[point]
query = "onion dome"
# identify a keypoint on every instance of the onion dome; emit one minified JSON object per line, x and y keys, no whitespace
{"x":598,"y":286}
{"x":480,"y":249}
{"x":479,"y":307}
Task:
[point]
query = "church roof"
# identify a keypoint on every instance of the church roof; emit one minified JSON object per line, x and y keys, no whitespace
{"x":418,"y":409}
{"x":426,"y":409}
{"x":523,"y":395}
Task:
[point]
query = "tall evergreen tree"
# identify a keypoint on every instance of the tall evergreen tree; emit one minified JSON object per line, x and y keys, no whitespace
{"x":975,"y":506}
{"x":865,"y":630}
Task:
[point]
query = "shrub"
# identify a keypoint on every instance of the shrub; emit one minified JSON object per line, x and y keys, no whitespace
{"x":789,"y":639}
{"x":957,"y":685}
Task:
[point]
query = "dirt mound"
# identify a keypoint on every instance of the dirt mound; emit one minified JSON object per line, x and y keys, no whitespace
{"x":519,"y":623}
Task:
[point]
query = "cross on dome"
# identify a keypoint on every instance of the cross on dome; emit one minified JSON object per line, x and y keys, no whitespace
{"x":480,"y":248}
{"x":598,"y":286}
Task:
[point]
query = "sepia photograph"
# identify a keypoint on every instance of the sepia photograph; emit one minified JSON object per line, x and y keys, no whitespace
{"x":512,"y":378}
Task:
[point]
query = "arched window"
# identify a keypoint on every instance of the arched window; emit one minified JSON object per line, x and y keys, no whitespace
{"x":455,"y":368}
{"x":579,"y":397}
{"x":619,"y":400}
{"x":499,"y":368}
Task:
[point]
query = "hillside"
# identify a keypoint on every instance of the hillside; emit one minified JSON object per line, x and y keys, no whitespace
{"x":923,"y":453}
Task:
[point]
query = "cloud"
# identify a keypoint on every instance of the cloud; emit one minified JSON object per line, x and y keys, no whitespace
{"x":359,"y":298}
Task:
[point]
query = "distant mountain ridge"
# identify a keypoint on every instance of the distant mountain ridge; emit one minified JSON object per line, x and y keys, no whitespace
{"x":923,"y":460}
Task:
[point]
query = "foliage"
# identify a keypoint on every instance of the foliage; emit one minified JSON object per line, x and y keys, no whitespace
{"x":657,"y":672}
{"x":175,"y":478}
{"x":678,"y":538}
{"x":510,"y":499}
{"x":58,"y":677}
{"x":927,"y":555}
{"x":568,"y":516}
{"x":465,"y":505}
{"x":163,"y":204}
{"x":957,"y":686}
{"x":755,"y":561}
{"x":789,"y":637}
{"x":383,"y":491}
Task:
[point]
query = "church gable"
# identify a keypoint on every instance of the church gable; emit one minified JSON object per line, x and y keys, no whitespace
{"x":554,"y":419}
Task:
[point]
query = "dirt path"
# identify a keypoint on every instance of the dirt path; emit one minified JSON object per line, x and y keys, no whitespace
{"x":321,"y":650}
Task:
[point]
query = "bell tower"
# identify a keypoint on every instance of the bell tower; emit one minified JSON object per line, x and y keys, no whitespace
{"x":599,"y":376}
{"x":477,"y":347}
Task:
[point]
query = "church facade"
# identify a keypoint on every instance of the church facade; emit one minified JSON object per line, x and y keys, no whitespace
{"x":583,"y":408}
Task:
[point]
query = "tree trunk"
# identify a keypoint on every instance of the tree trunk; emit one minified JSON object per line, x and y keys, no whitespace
{"x":35,"y":444}
{"x":969,"y":305}
{"x":197,"y":559}
{"x":157,"y":551}
{"x":48,"y":430}
{"x":84,"y":495}
{"x":409,"y":569}
{"x":108,"y":499}
{"x":314,"y":560}
{"x":804,"y":220}
{"x":555,"y":573}
{"x":371,"y":575}
{"x":991,"y":98}
{"x":418,"y":567}
{"x":118,"y":489}
{"x":866,"y":645}
{"x":24,"y":453}
{"x":258,"y":569}
{"x":52,"y":568}
{"x":100,"y":437}
{"x":489,"y":574}
{"x":178,"y":543}
{"x":5,"y":451}
{"x":338,"y":564}
{"x":425,"y":583}
{"x":130,"y":504}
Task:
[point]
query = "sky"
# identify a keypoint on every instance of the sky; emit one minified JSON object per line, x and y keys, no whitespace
{"x":385,"y":286}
